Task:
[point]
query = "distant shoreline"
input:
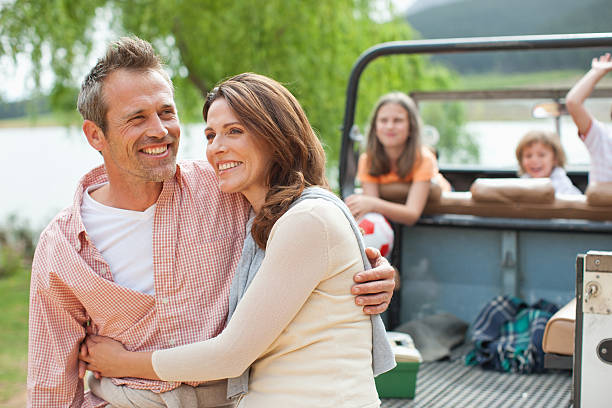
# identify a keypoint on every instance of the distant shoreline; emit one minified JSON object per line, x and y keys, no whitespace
{"x":41,"y":120}
{"x":476,"y":112}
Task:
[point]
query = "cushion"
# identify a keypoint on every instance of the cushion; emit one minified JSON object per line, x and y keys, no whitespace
{"x":559,"y":333}
{"x":564,"y":206}
{"x":599,"y":194}
{"x":398,"y":192}
{"x":513,"y":190}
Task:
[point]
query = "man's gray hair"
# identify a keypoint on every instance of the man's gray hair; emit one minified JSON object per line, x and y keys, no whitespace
{"x":130,"y":53}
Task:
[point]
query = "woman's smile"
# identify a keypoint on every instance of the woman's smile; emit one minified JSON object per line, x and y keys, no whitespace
{"x":235,"y":153}
{"x":227,"y":165}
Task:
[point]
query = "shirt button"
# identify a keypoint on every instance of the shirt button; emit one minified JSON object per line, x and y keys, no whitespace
{"x":172,"y":342}
{"x":165,"y":301}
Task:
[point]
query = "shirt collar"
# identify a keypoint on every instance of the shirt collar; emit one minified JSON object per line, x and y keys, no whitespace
{"x":98,"y":176}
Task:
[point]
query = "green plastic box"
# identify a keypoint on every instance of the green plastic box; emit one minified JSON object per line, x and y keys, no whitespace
{"x":399,"y":382}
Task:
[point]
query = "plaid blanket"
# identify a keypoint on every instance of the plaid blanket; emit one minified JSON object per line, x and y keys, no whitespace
{"x":508,"y":333}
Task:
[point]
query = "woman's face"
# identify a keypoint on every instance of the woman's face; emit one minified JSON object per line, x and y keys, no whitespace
{"x":392,"y":125}
{"x":538,"y":160}
{"x":238,"y":160}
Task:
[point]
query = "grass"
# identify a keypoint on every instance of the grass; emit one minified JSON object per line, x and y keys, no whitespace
{"x":14,"y":294}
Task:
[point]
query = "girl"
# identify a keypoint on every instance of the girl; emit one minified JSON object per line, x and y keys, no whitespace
{"x":305,"y":341}
{"x":540,"y":154}
{"x":394,"y":154}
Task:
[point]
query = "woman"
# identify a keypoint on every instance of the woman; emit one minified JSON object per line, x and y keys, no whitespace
{"x":296,"y":327}
{"x":394,"y":154}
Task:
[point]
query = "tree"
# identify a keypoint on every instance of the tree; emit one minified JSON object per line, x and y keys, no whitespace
{"x":308,"y":45}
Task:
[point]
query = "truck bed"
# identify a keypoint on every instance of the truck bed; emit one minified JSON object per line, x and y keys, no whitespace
{"x":444,"y":384}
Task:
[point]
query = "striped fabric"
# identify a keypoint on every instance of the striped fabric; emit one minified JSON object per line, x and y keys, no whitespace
{"x":197,"y":239}
{"x":508,"y":334}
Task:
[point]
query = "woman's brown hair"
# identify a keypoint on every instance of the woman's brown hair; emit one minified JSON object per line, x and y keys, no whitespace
{"x":549,"y":139}
{"x":275,"y":118}
{"x":378,"y":160}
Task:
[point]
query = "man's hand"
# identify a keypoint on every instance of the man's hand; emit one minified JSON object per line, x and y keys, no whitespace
{"x":84,"y":354}
{"x":374,"y":288}
{"x":82,"y":364}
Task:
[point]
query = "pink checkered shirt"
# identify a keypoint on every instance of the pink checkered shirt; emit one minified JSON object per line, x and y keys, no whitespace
{"x":198,"y":233}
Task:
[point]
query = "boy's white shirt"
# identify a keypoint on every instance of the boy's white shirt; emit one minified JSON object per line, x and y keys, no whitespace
{"x":598,"y":141}
{"x":560,"y":181}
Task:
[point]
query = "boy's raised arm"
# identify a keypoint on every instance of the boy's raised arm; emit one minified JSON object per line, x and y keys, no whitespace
{"x":584,"y":87}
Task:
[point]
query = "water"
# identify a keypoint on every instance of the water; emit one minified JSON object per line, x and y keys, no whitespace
{"x":40,"y":167}
{"x":498,"y":141}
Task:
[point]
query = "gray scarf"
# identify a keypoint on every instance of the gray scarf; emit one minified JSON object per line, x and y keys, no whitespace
{"x":252,"y":256}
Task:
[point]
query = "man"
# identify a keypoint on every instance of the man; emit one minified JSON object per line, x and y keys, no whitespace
{"x":147,"y":251}
{"x":595,"y":136}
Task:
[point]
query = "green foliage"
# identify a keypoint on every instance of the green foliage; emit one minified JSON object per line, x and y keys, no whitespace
{"x":308,"y":45}
{"x":455,"y":145}
{"x":16,"y":246}
{"x":14,"y":338}
{"x":21,"y":108}
{"x":16,"y":252}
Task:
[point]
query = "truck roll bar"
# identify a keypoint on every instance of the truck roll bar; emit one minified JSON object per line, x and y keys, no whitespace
{"x":348,"y":155}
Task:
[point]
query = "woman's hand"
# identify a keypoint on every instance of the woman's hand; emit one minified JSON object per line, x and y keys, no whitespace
{"x":108,"y":357}
{"x":360,"y":204}
{"x":105,"y":355}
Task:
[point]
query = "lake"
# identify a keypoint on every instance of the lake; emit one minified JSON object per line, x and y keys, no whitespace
{"x":40,"y":167}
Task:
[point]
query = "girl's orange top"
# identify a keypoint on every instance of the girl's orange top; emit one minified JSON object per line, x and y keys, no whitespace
{"x":424,"y":169}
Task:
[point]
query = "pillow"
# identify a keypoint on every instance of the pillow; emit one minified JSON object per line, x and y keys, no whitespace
{"x":398,"y":192}
{"x":513,"y":190}
{"x":599,"y":194}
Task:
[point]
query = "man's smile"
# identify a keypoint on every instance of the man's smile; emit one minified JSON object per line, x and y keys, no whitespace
{"x":156,"y":150}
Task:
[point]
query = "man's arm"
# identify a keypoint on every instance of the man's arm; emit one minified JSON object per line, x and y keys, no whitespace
{"x":54,"y":338}
{"x":574,"y":101}
{"x":374,"y":288}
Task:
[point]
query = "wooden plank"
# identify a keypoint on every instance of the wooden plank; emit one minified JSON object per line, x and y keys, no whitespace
{"x":599,"y":261}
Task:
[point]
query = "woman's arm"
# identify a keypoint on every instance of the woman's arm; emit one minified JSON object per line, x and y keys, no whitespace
{"x":370,"y":189}
{"x":296,"y":261}
{"x":407,"y":213}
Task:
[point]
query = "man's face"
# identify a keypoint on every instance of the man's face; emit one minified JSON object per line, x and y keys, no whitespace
{"x":142,"y":132}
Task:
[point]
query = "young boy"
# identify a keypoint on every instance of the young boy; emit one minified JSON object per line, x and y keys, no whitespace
{"x":595,"y":136}
{"x":539,"y":154}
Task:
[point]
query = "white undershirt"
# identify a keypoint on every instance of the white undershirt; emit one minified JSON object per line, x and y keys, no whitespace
{"x":125,"y":240}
